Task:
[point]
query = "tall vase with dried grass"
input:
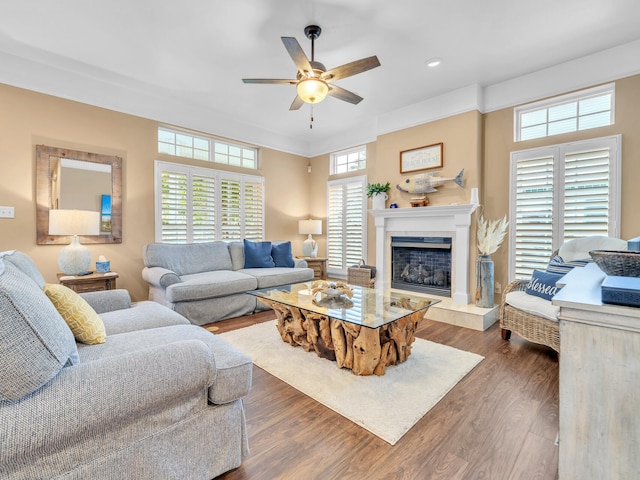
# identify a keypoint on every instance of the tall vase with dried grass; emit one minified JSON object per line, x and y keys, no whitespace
{"x":490,"y":235}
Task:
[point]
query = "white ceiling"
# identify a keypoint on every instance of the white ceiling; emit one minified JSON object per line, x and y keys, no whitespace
{"x":182,"y":62}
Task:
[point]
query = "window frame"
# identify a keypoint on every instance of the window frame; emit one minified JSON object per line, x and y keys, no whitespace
{"x":218,"y":176}
{"x":362,"y":180}
{"x":345,"y":153}
{"x":211,"y":151}
{"x":559,"y":153}
{"x":574,"y":97}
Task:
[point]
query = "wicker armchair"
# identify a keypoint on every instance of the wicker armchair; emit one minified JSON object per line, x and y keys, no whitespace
{"x":536,"y":328}
{"x":530,"y":327}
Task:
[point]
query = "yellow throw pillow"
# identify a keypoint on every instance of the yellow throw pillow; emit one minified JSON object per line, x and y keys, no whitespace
{"x":84,"y":322}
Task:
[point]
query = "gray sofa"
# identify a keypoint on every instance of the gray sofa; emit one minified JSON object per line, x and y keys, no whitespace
{"x":161,"y":398}
{"x":207,"y":282}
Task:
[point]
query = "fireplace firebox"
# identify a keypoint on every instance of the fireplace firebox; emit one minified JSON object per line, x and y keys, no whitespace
{"x":421,"y":264}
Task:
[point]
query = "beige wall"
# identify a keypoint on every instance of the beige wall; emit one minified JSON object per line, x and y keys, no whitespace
{"x":462,"y":139}
{"x":28,"y":119}
{"x":498,"y":140}
{"x":478,"y":143}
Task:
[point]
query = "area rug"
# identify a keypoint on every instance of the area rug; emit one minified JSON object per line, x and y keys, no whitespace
{"x":387,"y":406}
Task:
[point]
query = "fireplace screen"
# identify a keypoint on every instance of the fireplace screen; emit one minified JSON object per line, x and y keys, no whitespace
{"x":421,"y":264}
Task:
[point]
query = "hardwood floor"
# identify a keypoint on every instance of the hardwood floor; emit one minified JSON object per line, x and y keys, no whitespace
{"x":500,"y":422}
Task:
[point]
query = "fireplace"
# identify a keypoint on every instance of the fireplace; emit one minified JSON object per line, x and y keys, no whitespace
{"x":421,"y":264}
{"x":447,"y":221}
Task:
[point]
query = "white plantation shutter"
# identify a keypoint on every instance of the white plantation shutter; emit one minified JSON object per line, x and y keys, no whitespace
{"x":559,"y":193}
{"x":253,"y":210}
{"x":230,"y":210}
{"x":533,"y":218}
{"x":173,"y":207}
{"x":346,"y":223}
{"x":202,"y":205}
{"x":586,"y":194}
{"x":203,"y":208}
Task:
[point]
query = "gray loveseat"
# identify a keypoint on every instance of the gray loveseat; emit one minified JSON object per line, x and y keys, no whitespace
{"x":160,"y":399}
{"x":207,"y":282}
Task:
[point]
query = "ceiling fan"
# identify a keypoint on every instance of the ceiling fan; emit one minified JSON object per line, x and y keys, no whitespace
{"x":313,"y":81}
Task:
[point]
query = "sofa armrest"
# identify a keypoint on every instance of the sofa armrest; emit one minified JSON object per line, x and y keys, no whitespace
{"x":115,"y":399}
{"x":300,"y":263}
{"x":108,"y":300}
{"x":160,"y":277}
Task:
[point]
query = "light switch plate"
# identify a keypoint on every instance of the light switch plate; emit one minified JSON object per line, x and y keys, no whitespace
{"x":7,"y":212}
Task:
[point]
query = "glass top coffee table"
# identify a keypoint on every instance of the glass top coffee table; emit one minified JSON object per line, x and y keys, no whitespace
{"x":363,"y":329}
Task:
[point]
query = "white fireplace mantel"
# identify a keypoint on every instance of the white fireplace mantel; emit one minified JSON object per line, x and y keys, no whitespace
{"x":438,"y":220}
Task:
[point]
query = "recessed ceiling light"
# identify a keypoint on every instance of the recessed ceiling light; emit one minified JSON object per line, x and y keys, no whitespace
{"x":433,"y":62}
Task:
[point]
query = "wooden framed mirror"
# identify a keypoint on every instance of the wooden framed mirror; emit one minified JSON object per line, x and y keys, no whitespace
{"x":70,"y":179}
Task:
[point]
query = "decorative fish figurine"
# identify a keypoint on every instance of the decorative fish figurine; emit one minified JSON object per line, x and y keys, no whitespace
{"x":427,"y":183}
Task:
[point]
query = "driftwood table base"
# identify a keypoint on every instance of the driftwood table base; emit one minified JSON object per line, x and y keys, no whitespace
{"x":366,"y":351}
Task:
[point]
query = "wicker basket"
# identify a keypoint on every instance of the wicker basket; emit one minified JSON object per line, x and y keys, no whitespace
{"x":618,"y":263}
{"x":360,"y":276}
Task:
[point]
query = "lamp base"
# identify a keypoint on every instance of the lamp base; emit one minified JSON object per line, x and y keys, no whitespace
{"x":74,"y":259}
{"x":310,"y":247}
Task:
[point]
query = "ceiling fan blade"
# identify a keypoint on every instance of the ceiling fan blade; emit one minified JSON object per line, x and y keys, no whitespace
{"x":268,"y":80}
{"x":297,"y":103}
{"x":345,"y":95}
{"x":351,"y":68}
{"x":297,"y":54}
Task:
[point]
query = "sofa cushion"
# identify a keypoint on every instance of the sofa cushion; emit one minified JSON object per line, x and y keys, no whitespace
{"x":188,"y":258}
{"x":236,"y":250}
{"x":140,"y":316}
{"x":274,"y":277}
{"x":200,"y":286}
{"x":84,"y":322}
{"x":35,"y":343}
{"x":533,"y":305}
{"x":543,"y":284}
{"x":257,"y":255}
{"x":282,"y":255}
{"x":233,"y":368}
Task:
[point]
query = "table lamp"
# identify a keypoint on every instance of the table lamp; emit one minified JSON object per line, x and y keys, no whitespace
{"x":310,"y":227}
{"x":74,"y":259}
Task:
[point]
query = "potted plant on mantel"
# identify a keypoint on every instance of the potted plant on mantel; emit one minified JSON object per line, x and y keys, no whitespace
{"x":377,"y":192}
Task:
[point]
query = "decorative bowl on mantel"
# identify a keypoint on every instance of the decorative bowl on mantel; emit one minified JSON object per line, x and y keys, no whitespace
{"x":619,"y":263}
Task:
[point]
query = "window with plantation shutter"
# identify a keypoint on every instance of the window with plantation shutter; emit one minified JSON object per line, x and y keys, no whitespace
{"x":195,"y":204}
{"x":559,"y":193}
{"x":346,"y":224}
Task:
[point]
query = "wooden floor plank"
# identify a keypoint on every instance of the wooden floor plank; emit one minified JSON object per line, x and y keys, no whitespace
{"x":499,"y":422}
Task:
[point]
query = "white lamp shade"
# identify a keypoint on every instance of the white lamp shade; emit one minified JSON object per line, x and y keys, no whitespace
{"x":74,"y":222}
{"x":312,"y":227}
{"x":75,"y":258}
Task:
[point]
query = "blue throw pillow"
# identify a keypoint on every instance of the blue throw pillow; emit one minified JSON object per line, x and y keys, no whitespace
{"x":558,"y":265}
{"x":282,"y":255}
{"x":257,"y":254}
{"x":543,"y":284}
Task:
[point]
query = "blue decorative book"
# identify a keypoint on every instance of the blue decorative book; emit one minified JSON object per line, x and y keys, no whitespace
{"x":621,"y":291}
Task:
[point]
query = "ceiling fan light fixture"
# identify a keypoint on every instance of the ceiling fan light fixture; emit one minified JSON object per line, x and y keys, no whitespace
{"x":312,"y":90}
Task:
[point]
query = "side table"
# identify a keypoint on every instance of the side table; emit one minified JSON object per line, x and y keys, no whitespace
{"x":319,"y":266}
{"x":89,"y":283}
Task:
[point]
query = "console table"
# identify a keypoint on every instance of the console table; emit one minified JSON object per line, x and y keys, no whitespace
{"x":599,"y":381}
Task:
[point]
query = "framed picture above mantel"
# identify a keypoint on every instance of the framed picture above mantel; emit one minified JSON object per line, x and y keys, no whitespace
{"x":422,"y":158}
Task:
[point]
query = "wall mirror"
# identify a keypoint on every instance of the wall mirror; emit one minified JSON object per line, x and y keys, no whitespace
{"x":69,"y":179}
